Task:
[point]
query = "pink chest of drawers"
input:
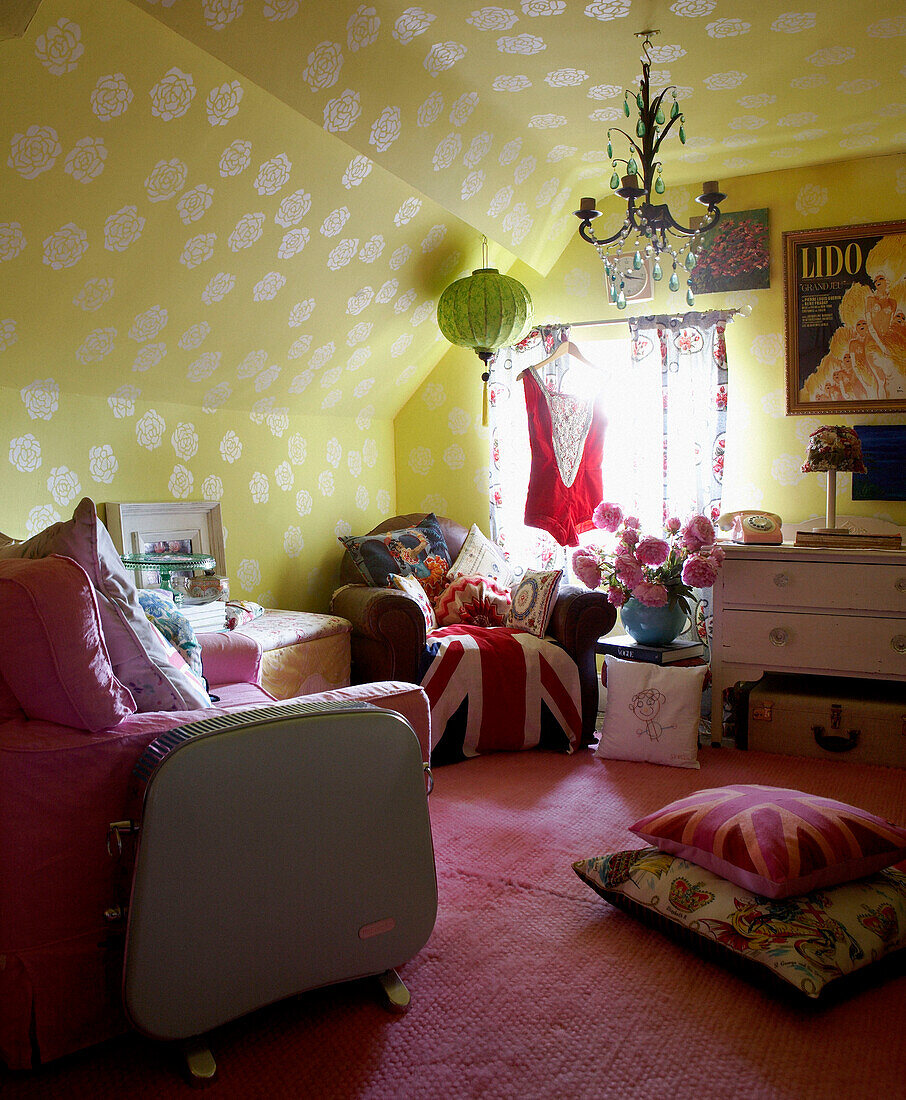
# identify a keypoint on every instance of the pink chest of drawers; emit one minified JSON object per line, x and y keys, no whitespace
{"x":821,"y":612}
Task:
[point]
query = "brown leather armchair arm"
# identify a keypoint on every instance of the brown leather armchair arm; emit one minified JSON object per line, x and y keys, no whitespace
{"x":579,"y":618}
{"x":388,"y":632}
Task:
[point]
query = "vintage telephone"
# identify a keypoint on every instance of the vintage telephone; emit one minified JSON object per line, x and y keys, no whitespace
{"x":751,"y":526}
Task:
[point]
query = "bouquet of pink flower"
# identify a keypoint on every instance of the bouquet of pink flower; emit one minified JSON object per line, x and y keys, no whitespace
{"x":655,"y":571}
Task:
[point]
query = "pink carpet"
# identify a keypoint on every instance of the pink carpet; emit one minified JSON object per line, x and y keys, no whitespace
{"x":531,"y":986}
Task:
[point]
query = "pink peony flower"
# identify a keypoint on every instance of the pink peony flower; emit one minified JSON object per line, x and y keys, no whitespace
{"x":586,"y":567}
{"x":632,"y":521}
{"x":717,"y":555}
{"x":629,"y":536}
{"x":652,"y":595}
{"x":697,"y":533}
{"x":652,"y":551}
{"x":616,"y":596}
{"x":628,"y":569}
{"x":699,"y":572}
{"x":607,"y":516}
{"x":673,"y":525}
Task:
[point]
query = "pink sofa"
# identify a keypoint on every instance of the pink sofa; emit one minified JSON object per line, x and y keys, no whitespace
{"x":70,"y":736}
{"x":60,"y":788}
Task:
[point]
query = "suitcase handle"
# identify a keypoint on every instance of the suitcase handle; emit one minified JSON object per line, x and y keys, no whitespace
{"x":835,"y":742}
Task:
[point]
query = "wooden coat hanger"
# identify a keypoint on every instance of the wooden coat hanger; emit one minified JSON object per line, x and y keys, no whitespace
{"x":566,"y":348}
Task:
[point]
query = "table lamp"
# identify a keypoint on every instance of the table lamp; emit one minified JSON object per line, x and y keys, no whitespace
{"x":833,"y":447}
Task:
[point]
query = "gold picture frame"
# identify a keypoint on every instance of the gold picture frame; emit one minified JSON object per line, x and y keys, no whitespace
{"x":845,"y":319}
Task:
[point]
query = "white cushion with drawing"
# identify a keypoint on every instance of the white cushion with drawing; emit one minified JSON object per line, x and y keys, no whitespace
{"x":652,"y":713}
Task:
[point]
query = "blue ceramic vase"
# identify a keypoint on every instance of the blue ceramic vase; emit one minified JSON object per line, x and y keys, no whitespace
{"x":652,"y":625}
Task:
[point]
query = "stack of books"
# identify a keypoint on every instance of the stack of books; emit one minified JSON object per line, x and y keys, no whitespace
{"x":204,"y":615}
{"x":622,"y":645}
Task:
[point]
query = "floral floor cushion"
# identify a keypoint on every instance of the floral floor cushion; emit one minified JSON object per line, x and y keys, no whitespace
{"x":802,"y":944}
{"x":494,"y":689}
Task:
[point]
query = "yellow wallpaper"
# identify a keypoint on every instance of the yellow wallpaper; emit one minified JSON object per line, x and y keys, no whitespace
{"x":169,"y":230}
{"x":500,"y":113}
{"x":288,"y":486}
{"x":765,"y":448}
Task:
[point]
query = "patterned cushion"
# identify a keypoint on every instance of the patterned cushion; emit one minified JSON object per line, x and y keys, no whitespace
{"x":151,"y":668}
{"x":419,"y":551}
{"x":161,"y":610}
{"x":52,"y":651}
{"x":479,"y":557}
{"x":774,"y":841}
{"x":652,"y":713}
{"x":414,"y":591}
{"x":478,"y":601}
{"x":533,"y":601}
{"x":801,"y":944}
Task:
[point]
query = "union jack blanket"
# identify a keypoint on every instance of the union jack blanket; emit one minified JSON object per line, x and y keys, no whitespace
{"x":495,"y":689}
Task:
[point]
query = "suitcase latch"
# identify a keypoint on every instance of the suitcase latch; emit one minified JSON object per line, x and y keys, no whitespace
{"x":761,"y":712}
{"x":836,"y":716}
{"x":116,"y":830}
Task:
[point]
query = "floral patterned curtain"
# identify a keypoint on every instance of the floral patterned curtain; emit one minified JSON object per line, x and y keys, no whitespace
{"x":510,"y":460}
{"x":690,"y":355}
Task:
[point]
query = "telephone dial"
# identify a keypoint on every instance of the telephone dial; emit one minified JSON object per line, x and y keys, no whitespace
{"x":751,"y":526}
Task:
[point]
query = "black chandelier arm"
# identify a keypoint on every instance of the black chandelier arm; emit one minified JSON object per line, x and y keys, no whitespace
{"x":661,"y":219}
{"x":587,"y":234}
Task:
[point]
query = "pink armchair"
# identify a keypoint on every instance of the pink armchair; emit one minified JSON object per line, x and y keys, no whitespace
{"x":388,"y":631}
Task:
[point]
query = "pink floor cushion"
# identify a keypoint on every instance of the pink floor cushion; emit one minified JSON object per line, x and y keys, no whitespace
{"x":801,"y":944}
{"x":773,"y":841}
{"x":142,"y":659}
{"x":52,"y":652}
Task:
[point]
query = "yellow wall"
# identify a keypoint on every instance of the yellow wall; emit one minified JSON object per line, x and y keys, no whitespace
{"x":287,"y":486}
{"x":765,"y":447}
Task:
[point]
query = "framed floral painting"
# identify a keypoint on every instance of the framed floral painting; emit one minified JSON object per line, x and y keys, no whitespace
{"x":845,"y":313}
{"x":734,"y":255}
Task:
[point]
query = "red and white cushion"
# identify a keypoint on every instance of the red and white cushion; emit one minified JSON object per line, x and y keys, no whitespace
{"x":412,"y":587}
{"x":474,"y":600}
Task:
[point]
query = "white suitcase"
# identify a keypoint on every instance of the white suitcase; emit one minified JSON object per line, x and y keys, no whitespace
{"x":279,"y":850}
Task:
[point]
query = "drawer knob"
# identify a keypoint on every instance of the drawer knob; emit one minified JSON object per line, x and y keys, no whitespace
{"x":781,"y":580}
{"x":900,"y":584}
{"x":780,"y":637}
{"x":898,"y":643}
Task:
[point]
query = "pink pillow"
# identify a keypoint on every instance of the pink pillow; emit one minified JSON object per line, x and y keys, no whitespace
{"x":775,"y":842}
{"x":52,"y":652}
{"x":475,"y":600}
{"x":151,"y":668}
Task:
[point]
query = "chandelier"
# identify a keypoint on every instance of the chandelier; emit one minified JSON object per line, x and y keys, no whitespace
{"x":658,"y":236}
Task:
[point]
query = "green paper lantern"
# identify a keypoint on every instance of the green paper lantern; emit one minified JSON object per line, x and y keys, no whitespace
{"x":485,"y":311}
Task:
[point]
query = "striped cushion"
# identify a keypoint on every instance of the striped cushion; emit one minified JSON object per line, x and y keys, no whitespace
{"x":772,"y":841}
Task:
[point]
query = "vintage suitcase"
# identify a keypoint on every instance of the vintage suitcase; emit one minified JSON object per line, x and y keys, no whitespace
{"x":279,"y":850}
{"x":837,"y":718}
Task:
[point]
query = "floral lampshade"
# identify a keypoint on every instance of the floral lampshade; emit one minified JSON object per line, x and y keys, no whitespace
{"x":833,"y":447}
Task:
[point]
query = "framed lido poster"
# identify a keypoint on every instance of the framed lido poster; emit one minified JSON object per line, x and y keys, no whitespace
{"x":845,"y":314}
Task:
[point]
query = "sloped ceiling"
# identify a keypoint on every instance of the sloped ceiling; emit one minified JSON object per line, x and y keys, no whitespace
{"x":256,"y":203}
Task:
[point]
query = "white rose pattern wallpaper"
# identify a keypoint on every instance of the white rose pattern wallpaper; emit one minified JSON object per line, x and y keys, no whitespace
{"x":224,"y":227}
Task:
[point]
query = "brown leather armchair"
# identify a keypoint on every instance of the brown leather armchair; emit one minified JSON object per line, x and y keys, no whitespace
{"x":388,"y":628}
